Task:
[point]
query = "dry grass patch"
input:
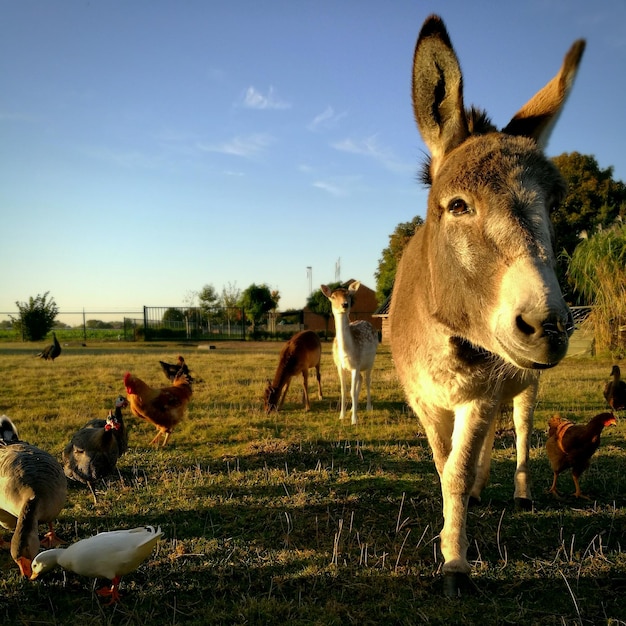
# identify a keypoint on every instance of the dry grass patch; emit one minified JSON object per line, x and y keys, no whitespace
{"x":297,"y":518}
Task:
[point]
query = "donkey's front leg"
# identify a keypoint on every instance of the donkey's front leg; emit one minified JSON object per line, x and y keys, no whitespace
{"x":471,"y":428}
{"x":483,"y":469}
{"x":523,"y":411}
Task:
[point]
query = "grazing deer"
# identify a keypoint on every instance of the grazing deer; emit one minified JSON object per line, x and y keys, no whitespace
{"x":302,"y":352}
{"x":354,"y":347}
{"x":476,"y":310}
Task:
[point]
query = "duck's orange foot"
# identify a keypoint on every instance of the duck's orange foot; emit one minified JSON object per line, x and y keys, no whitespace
{"x":112,"y":591}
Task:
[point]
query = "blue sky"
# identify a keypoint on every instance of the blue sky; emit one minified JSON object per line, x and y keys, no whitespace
{"x":148,"y":148}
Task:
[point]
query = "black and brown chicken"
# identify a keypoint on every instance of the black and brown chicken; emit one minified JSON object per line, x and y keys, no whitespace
{"x":572,"y":445}
{"x":172,"y":369}
{"x":93,"y":451}
{"x":615,"y":390}
{"x":52,"y":351}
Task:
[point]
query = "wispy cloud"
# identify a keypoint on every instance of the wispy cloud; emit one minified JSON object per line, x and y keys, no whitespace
{"x":326,"y":119}
{"x":370,"y":148}
{"x":339,"y":186}
{"x":331,"y":188}
{"x":254,"y":99}
{"x":248,"y":146}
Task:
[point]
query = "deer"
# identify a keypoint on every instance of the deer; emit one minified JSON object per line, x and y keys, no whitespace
{"x":302,"y":352}
{"x":354,"y":347}
{"x":476,"y":310}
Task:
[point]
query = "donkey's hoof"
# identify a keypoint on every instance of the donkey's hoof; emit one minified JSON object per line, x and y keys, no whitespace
{"x":473,"y":501}
{"x":523,"y":504}
{"x":456,"y":585}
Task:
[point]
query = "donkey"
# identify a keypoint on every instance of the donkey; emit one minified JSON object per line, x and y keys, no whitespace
{"x":476,"y":310}
{"x":302,"y":352}
{"x":354,"y":348}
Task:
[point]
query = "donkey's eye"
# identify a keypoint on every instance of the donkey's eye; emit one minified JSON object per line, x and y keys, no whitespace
{"x":458,"y":206}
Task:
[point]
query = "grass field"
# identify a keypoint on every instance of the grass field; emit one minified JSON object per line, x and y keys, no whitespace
{"x":297,"y":518}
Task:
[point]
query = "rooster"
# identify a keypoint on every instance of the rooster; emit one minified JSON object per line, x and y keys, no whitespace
{"x":52,"y":351}
{"x":615,"y":390}
{"x":164,"y":407}
{"x":572,"y":445}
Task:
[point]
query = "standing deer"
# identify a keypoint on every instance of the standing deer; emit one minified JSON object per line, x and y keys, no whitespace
{"x":476,"y":310}
{"x":354,"y":347}
{"x":302,"y":352}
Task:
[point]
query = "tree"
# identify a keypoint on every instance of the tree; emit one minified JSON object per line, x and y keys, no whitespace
{"x":597,"y":270}
{"x":257,"y":301}
{"x":36,"y":317}
{"x":173,"y":315}
{"x":319,"y":304}
{"x":97,"y":324}
{"x":230,"y":297}
{"x":594,"y":200}
{"x":388,"y":263}
{"x":208,"y":298}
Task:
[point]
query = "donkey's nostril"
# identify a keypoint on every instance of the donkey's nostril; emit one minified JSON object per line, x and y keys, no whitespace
{"x":524,"y":326}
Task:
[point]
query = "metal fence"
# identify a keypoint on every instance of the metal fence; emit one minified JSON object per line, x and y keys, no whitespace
{"x":189,"y":323}
{"x":159,"y":323}
{"x":78,"y":326}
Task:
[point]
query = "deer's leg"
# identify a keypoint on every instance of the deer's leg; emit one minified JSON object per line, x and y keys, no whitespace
{"x":355,"y":388}
{"x":305,"y":388}
{"x":319,"y":381}
{"x":368,"y":383}
{"x":342,"y":384}
{"x":523,"y":411}
{"x":283,"y":395}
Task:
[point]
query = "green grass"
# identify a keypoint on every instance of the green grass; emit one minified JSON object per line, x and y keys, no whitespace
{"x":297,"y":518}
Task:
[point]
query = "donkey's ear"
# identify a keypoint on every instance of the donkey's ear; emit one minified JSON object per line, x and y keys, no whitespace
{"x":438,"y":92}
{"x":537,"y":117}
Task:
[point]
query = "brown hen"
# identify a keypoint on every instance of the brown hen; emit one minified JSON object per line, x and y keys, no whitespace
{"x":572,"y":445}
{"x":164,"y":407}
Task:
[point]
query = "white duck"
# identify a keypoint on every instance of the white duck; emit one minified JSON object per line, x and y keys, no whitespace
{"x":105,"y":555}
{"x":33,"y":489}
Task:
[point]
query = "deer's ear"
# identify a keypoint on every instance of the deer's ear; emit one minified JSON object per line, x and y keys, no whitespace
{"x":537,"y":117}
{"x":438,"y":92}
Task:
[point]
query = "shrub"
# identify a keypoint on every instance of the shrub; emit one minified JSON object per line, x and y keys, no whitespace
{"x":36,"y":317}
